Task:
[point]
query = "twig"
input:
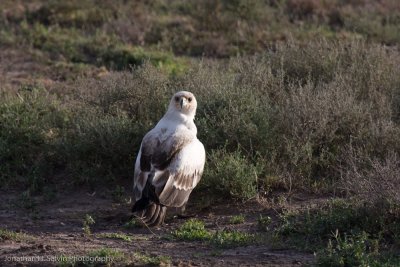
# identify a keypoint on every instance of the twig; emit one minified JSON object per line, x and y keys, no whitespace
{"x":145,"y":224}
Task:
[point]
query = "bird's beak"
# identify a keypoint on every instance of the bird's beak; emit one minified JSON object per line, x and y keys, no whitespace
{"x":182,"y":102}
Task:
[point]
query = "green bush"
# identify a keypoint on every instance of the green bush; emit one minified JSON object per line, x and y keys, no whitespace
{"x":298,"y":116}
{"x":358,"y":250}
{"x":231,"y":174}
{"x":348,"y":251}
{"x":98,"y":147}
{"x":31,"y":124}
{"x":314,"y":227}
{"x":256,"y":116}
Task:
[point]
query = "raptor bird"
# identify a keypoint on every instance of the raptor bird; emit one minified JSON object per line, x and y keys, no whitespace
{"x":170,"y":161}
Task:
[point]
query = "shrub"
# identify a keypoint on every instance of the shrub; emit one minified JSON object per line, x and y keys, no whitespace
{"x":283,"y":118}
{"x":231,"y":174}
{"x":111,"y":116}
{"x":30,"y":123}
{"x":374,"y":27}
{"x":318,"y":119}
{"x":371,"y":179}
{"x":141,"y":95}
{"x":98,"y":147}
{"x":297,"y":115}
{"x":357,"y":250}
{"x":312,"y":227}
{"x":349,"y":251}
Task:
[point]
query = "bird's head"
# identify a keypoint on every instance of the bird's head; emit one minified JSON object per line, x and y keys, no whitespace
{"x":183,"y":102}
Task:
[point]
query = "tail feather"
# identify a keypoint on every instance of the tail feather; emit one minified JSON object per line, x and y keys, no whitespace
{"x":153,"y":214}
{"x":149,"y":208}
{"x":149,"y":212}
{"x":161,"y":216}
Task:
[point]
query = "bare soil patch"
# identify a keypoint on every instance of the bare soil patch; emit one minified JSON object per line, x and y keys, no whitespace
{"x":54,"y":228}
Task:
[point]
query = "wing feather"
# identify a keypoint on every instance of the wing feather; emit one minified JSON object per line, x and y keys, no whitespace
{"x":185,"y":173}
{"x":172,"y":162}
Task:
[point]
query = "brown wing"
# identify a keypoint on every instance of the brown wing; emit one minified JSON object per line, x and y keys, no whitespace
{"x":155,"y":155}
{"x":183,"y":174}
{"x":177,"y":194}
{"x":158,"y":151}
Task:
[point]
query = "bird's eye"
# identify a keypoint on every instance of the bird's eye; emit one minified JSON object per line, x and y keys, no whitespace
{"x":190,"y":99}
{"x":176,"y":98}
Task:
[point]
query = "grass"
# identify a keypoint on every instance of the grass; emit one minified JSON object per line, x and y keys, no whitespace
{"x":187,"y":28}
{"x":120,"y":236}
{"x":87,"y":222}
{"x":10,"y":235}
{"x":133,"y":223}
{"x":99,"y":48}
{"x":194,"y":230}
{"x":237,"y":219}
{"x":15,"y":236}
{"x":147,"y":260}
{"x":230,"y":239}
{"x":264,"y":223}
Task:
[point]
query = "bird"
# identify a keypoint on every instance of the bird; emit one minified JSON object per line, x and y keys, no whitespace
{"x":170,"y":162}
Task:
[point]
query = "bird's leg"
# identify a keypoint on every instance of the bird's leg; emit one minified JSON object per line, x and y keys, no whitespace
{"x":182,"y":213}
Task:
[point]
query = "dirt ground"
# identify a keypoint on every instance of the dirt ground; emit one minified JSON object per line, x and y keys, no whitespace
{"x":54,"y":228}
